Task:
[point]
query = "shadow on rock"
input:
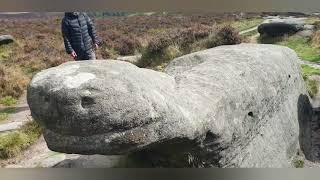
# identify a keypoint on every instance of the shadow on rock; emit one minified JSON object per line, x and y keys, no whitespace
{"x":305,"y":117}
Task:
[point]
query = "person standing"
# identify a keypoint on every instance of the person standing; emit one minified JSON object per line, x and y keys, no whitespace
{"x":79,"y":35}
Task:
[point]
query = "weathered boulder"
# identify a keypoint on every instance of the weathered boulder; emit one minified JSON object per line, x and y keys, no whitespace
{"x":276,"y":29}
{"x":6,"y":39}
{"x":275,"y":26}
{"x":230,"y":106}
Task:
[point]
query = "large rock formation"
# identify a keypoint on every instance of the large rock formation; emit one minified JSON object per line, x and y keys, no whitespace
{"x":231,"y":106}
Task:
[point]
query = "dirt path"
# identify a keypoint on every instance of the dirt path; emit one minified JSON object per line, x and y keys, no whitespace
{"x":248,"y":30}
{"x":21,"y":115}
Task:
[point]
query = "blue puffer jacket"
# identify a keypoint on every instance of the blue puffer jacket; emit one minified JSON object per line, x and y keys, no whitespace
{"x":78,"y":33}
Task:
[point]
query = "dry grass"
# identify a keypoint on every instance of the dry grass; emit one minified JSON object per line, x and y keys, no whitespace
{"x":178,"y":42}
{"x":12,"y":81}
{"x":316,"y":39}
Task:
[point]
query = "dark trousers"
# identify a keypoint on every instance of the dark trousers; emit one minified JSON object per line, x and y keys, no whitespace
{"x":86,"y":56}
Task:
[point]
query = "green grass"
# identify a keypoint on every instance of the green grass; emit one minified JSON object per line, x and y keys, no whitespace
{"x":298,"y":163}
{"x":11,"y":144}
{"x":4,"y":114}
{"x":303,"y":48}
{"x":308,"y":70}
{"x":5,"y":52}
{"x":8,"y":101}
{"x":246,"y":24}
{"x":312,"y":85}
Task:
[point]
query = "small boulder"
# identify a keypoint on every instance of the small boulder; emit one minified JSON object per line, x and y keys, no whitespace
{"x":276,"y":29}
{"x":6,"y":39}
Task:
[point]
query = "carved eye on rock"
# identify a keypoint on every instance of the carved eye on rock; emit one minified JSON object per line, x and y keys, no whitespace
{"x":87,"y":101}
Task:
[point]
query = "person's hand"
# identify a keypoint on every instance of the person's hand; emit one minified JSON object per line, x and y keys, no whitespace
{"x":96,"y":46}
{"x":74,"y":54}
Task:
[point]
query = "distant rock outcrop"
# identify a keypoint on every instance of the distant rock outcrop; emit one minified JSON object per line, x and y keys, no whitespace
{"x":6,"y":39}
{"x":230,"y":106}
{"x":277,"y":29}
{"x":279,"y":26}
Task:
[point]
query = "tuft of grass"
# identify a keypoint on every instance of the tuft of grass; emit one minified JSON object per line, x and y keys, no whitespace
{"x":158,"y":61}
{"x":5,"y":52}
{"x":8,"y":101}
{"x":11,"y":144}
{"x":298,"y":163}
{"x":4,"y":114}
{"x":312,"y":85}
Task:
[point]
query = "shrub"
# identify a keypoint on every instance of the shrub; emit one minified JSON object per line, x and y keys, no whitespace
{"x":298,"y":163}
{"x":122,"y":44}
{"x":226,"y":35}
{"x":126,"y":45}
{"x":159,"y":61}
{"x":187,"y":40}
{"x":12,"y":81}
{"x":158,"y":44}
{"x":182,"y":37}
{"x":8,"y":101}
